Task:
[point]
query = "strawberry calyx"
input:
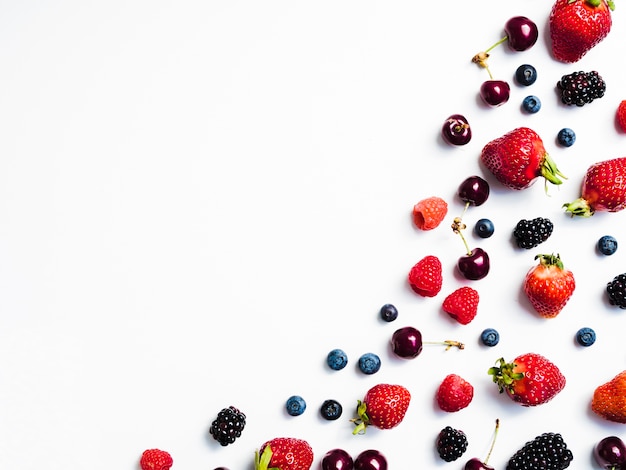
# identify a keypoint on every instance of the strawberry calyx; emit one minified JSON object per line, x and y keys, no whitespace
{"x":262,"y":461}
{"x":550,"y":171}
{"x":363,"y":419}
{"x":503,"y":375}
{"x":579,"y":207}
{"x":550,"y":260}
{"x":597,"y":3}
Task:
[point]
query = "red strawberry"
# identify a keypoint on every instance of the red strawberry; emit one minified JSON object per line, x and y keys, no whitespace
{"x":621,"y":115}
{"x":425,"y":277}
{"x":549,"y":286}
{"x":518,"y":158}
{"x":604,"y":189}
{"x":462,"y":304}
{"x":155,"y":459}
{"x":383,"y":407}
{"x":576,"y":26}
{"x":529,"y":380}
{"x":284,"y":453}
{"x":454,"y":393}
{"x":429,"y":212}
{"x":609,"y":399}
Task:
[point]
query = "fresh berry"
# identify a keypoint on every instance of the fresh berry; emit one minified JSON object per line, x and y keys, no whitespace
{"x":521,"y":33}
{"x":429,"y":213}
{"x":603,"y":189}
{"x":456,"y":130}
{"x":369,"y":363}
{"x":530,"y":379}
{"x":295,"y":405}
{"x":370,"y":459}
{"x":388,"y":312}
{"x":577,"y":26}
{"x":526,"y":74}
{"x":607,"y":245}
{"x":547,"y":451}
{"x":383,"y":407}
{"x":566,"y":137}
{"x":518,"y":158}
{"x":620,"y":115}
{"x":406,"y":342}
{"x":474,"y":265}
{"x":529,"y":233}
{"x":484,"y":228}
{"x":586,"y":336}
{"x":286,"y":453}
{"x":337,"y":459}
{"x":331,"y":410}
{"x":580,"y":88}
{"x":608,"y":399}
{"x":451,"y":443}
{"x":531,"y":104}
{"x":425,"y":278}
{"x":616,"y":290}
{"x":462,"y":304}
{"x":337,"y":359}
{"x":228,"y":425}
{"x":475,"y":463}
{"x":549,"y":285}
{"x":155,"y":459}
{"x":490,"y":337}
{"x":495,"y":93}
{"x":454,"y":393}
{"x":610,"y":453}
{"x":473,"y":191}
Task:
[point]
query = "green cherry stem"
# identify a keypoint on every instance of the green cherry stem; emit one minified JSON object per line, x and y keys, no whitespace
{"x":457,"y":227}
{"x":448,"y":344}
{"x":493,"y":441}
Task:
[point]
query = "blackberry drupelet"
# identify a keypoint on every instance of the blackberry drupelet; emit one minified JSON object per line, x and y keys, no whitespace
{"x":451,"y":443}
{"x":616,"y":289}
{"x":530,"y":233}
{"x":228,"y":425}
{"x":545,"y":452}
{"x":580,"y":88}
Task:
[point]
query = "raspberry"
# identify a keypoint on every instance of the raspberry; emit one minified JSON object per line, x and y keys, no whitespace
{"x":429,"y":212}
{"x":580,"y":88}
{"x":451,"y":443}
{"x":546,"y":452}
{"x":616,"y":289}
{"x":530,"y":233}
{"x":425,"y":277}
{"x":621,"y":115}
{"x":155,"y":459}
{"x":228,"y":425}
{"x":454,"y":393}
{"x":462,"y":304}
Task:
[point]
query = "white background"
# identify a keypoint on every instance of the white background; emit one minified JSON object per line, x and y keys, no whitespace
{"x":200,"y":199}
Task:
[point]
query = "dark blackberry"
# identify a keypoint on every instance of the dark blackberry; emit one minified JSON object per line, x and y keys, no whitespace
{"x":580,"y":88}
{"x":451,"y":443}
{"x":616,"y":289}
{"x":546,"y":452}
{"x":228,"y":425}
{"x":530,"y":233}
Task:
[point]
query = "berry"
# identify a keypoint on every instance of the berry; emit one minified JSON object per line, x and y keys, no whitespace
{"x":616,"y":290}
{"x":388,"y":312}
{"x":369,"y":363}
{"x":462,"y":304}
{"x":454,"y":393}
{"x":585,"y":336}
{"x":286,"y":453}
{"x":521,"y":33}
{"x":530,"y":233}
{"x":620,"y":115}
{"x":228,"y":425}
{"x":337,"y":359}
{"x":406,"y":342}
{"x":331,"y":410}
{"x":295,"y":405}
{"x":531,"y":104}
{"x":610,"y":453}
{"x":549,"y":285}
{"x":526,"y":75}
{"x":429,"y":213}
{"x":607,"y":245}
{"x":608,"y":399}
{"x":566,"y":137}
{"x":425,"y":278}
{"x":456,"y":130}
{"x":490,"y":337}
{"x":581,"y":88}
{"x":155,"y":459}
{"x":337,"y":459}
{"x":451,"y":443}
{"x":473,"y":190}
{"x":495,"y":92}
{"x":546,"y":452}
{"x":474,"y":265}
{"x":484,"y":228}
{"x":370,"y":459}
{"x":383,"y":407}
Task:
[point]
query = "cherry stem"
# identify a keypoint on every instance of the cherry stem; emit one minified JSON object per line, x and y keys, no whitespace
{"x":448,"y":343}
{"x":493,"y":441}
{"x":457,"y":227}
{"x":504,"y":39}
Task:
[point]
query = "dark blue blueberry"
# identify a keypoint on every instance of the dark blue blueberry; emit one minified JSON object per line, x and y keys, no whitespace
{"x":490,"y":337}
{"x":295,"y":405}
{"x":388,"y":312}
{"x":607,"y":245}
{"x":566,"y":137}
{"x":369,"y":363}
{"x":526,"y":74}
{"x":586,"y":336}
{"x":484,"y":228}
{"x":531,"y":104}
{"x":337,"y":359}
{"x":331,"y":410}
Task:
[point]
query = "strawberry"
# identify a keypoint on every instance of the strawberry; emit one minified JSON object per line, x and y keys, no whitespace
{"x":284,"y":453}
{"x":609,"y":399}
{"x":518,"y":158}
{"x":620,"y":115}
{"x":383,"y":407}
{"x":429,"y":213}
{"x":529,"y":380}
{"x":549,"y":285}
{"x":425,"y":278}
{"x":454,"y":393}
{"x":462,"y":304}
{"x":603,"y":189}
{"x":155,"y":459}
{"x":576,"y":26}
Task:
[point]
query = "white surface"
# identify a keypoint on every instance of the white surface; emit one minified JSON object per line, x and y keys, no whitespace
{"x":199,"y":200}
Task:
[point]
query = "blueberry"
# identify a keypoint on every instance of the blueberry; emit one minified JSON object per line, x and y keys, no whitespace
{"x":607,"y":245}
{"x":484,"y":228}
{"x":586,"y":336}
{"x":331,"y":410}
{"x":337,"y":359}
{"x":295,"y":405}
{"x":526,"y":74}
{"x":531,"y":104}
{"x":369,"y":363}
{"x":388,"y":312}
{"x":566,"y":137}
{"x":490,"y":337}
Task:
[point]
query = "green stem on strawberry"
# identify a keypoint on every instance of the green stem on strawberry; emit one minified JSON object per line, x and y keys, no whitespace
{"x":580,"y":207}
{"x":503,"y":375}
{"x":262,"y":462}
{"x":363,"y":419}
{"x":550,"y":171}
{"x":550,"y":260}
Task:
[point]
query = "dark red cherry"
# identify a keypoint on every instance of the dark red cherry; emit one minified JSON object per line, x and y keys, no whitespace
{"x":495,"y":92}
{"x":337,"y":459}
{"x":474,"y":265}
{"x":477,"y":464}
{"x":456,"y":130}
{"x":370,"y":460}
{"x":610,"y":453}
{"x":522,"y":33}
{"x":473,"y":190}
{"x":407,"y":342}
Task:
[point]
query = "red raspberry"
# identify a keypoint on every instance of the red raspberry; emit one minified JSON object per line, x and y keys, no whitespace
{"x":621,"y":115}
{"x":429,"y":212}
{"x":155,"y":459}
{"x":462,"y":304}
{"x":454,"y":393}
{"x":425,"y":277}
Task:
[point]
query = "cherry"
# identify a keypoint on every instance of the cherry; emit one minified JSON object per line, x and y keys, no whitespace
{"x":473,"y":190}
{"x":407,"y":343}
{"x":521,"y":32}
{"x":456,"y":130}
{"x":337,"y":459}
{"x":475,"y":463}
{"x":610,"y":453}
{"x":495,"y":92}
{"x":474,"y":265}
{"x":370,"y":460}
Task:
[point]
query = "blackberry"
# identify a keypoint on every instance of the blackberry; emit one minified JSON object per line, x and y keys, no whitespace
{"x":616,"y":289}
{"x":530,"y":233}
{"x":580,"y":88}
{"x":451,"y":443}
{"x":228,"y":425}
{"x":546,"y":452}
